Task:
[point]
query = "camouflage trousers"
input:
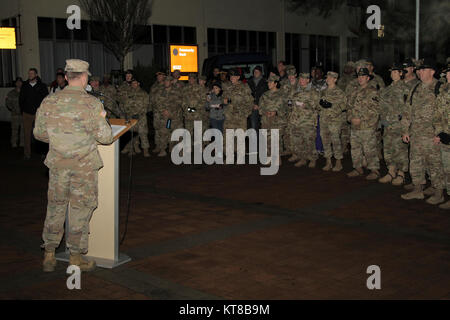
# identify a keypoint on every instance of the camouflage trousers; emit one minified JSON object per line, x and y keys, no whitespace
{"x":163,"y":135}
{"x":331,"y":139}
{"x":233,"y":125}
{"x":445,"y":157}
{"x":395,"y":150}
{"x":364,"y":144}
{"x":345,"y":134}
{"x":268,"y":124}
{"x":16,"y":130}
{"x":303,"y":141}
{"x":142,"y":129}
{"x":425,"y":157}
{"x":77,"y":188}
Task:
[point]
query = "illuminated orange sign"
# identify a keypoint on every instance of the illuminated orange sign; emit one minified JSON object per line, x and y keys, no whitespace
{"x":183,"y":58}
{"x":7,"y":38}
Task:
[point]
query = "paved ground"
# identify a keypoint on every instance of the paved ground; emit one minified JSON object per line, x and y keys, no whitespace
{"x":225,"y":232}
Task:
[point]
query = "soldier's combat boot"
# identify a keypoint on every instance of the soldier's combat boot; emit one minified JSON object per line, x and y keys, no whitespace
{"x":78,"y":260}
{"x":163,"y":153}
{"x":338,"y":166}
{"x":137,"y":149}
{"x":312,"y":164}
{"x":400,"y":179}
{"x":416,"y":193}
{"x":300,"y":163}
{"x":436,"y":198}
{"x":49,"y":263}
{"x":146,"y":153}
{"x":355,"y":173}
{"x":445,"y":206}
{"x":293,"y":158}
{"x":156,"y":150}
{"x":429,"y":191}
{"x":409,"y":187}
{"x":328,"y":165}
{"x":389,"y":176}
{"x":374,"y":174}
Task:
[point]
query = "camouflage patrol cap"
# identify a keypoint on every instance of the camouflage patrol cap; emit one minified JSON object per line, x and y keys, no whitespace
{"x":76,"y":65}
{"x":305,"y":75}
{"x":396,"y":67}
{"x":273,"y":78}
{"x":361,"y":63}
{"x":332,"y":74}
{"x":193,"y":75}
{"x":202,"y":78}
{"x":169,"y":78}
{"x":291,"y":70}
{"x":350,"y":64}
{"x":363,"y":72}
{"x":95,"y":78}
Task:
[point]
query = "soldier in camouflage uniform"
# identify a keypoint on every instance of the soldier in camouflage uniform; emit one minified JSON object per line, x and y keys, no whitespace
{"x":418,"y":131}
{"x":376,"y":78}
{"x":364,"y":115}
{"x":106,"y":96}
{"x":333,"y":103}
{"x":344,"y":80}
{"x":110,"y":94}
{"x":177,"y":83}
{"x":392,"y":108}
{"x":136,"y":105}
{"x":271,"y":107}
{"x":441,"y":123}
{"x":194,"y":97}
{"x":239,"y":100}
{"x":302,"y":122}
{"x":155,"y":90}
{"x":410,"y":79}
{"x":167,"y":107}
{"x":288,"y":91}
{"x":12,"y":104}
{"x":122,"y":90}
{"x":73,"y":123}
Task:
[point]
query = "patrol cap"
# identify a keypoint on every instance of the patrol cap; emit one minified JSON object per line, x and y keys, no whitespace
{"x":350,"y":64}
{"x":234,"y":72}
{"x":396,"y":67}
{"x":291,"y":70}
{"x":363,"y":72}
{"x":361,"y":63}
{"x":427,"y":64}
{"x":95,"y":78}
{"x":160,"y":72}
{"x":193,"y":75}
{"x":202,"y":78}
{"x":169,"y":78}
{"x":305,"y":75}
{"x":273,"y":78}
{"x":332,"y":74}
{"x":76,"y":65}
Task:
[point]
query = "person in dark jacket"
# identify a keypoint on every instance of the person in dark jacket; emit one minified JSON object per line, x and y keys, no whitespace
{"x":32,"y":93}
{"x":258,"y":85}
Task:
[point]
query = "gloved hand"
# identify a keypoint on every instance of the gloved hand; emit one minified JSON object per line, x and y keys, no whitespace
{"x":445,"y":138}
{"x":325,"y":104}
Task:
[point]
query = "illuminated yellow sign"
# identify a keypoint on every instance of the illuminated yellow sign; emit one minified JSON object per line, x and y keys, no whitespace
{"x":7,"y":38}
{"x":183,"y":58}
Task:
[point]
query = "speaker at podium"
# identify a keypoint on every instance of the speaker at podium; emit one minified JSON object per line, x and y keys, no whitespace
{"x":104,"y":224}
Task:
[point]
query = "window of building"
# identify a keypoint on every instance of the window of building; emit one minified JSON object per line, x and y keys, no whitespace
{"x":8,"y":59}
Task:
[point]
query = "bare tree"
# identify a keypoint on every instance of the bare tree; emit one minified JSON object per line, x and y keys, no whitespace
{"x":117,"y":23}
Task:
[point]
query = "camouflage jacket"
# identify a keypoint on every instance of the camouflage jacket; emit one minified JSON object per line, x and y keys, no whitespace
{"x":419,"y":111}
{"x":71,"y":122}
{"x":365,"y":106}
{"x":409,"y":85}
{"x":194,"y":97}
{"x":271,"y":101}
{"x":441,"y":120}
{"x":136,"y":102}
{"x":122,"y":92}
{"x":241,"y":104}
{"x":154,"y":91}
{"x":169,"y":99}
{"x":337,"y":111}
{"x":378,"y":81}
{"x":344,"y":80}
{"x":392,"y":104}
{"x":288,"y":91}
{"x":304,"y":108}
{"x":12,"y":102}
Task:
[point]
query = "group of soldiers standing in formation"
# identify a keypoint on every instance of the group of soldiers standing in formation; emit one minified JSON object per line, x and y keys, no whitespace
{"x":406,"y":123}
